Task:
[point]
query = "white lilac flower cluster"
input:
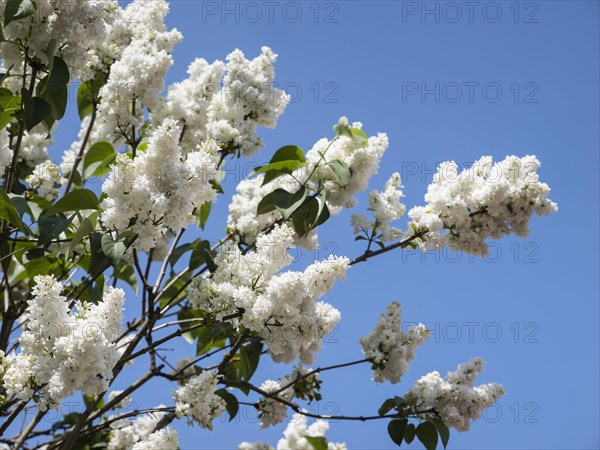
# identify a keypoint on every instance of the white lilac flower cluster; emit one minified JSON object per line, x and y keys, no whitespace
{"x":64,"y":352}
{"x":361,"y":161}
{"x":46,"y":180}
{"x":226,"y":102}
{"x":76,"y":28}
{"x":281,"y":307}
{"x":160,"y":188}
{"x":197,"y":400}
{"x":34,"y":146}
{"x":391,"y":349}
{"x":295,"y":436}
{"x":488,"y":200}
{"x":137,"y":75}
{"x":243,"y":217}
{"x":455,"y":398}
{"x":386,"y":207}
{"x":125,"y":433}
{"x":165,"y":439}
{"x":6,"y":153}
{"x":271,"y":411}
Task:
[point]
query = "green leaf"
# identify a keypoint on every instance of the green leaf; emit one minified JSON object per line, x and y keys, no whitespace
{"x":342,"y":171}
{"x":18,"y":9}
{"x":9,"y":105}
{"x":208,"y":338}
{"x":98,"y":260}
{"x":309,"y":215}
{"x":9,"y":212}
{"x":50,"y":52}
{"x":272,"y":175}
{"x":317,"y":442}
{"x":409,"y":433}
{"x":51,"y":227}
{"x":202,"y":214}
{"x":126,"y":273}
{"x":288,"y":153}
{"x":396,"y":429}
{"x":217,"y":187}
{"x":287,"y":202}
{"x":387,"y":406}
{"x":85,"y":228}
{"x":266,"y":205}
{"x":231,"y":402}
{"x":57,"y":99}
{"x":113,"y":248}
{"x":85,"y":100}
{"x":285,"y":160}
{"x":427,"y":434}
{"x":359,"y":136}
{"x":442,"y":430}
{"x":250,"y":356}
{"x":76,"y":200}
{"x":324,"y":215}
{"x":59,"y":76}
{"x":36,"y":109}
{"x":179,"y":252}
{"x":200,"y":252}
{"x":98,"y":159}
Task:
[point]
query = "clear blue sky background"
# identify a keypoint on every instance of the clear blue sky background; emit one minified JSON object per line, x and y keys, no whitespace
{"x":358,"y":58}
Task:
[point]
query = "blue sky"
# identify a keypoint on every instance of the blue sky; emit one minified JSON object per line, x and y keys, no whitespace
{"x":501,"y":78}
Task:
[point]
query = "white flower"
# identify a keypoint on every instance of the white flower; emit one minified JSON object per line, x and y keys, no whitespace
{"x":272,"y":411}
{"x":363,"y":163}
{"x":251,"y":446}
{"x":391,"y":349}
{"x":488,"y":200}
{"x":226,"y":102}
{"x":281,"y":307}
{"x":77,"y":27}
{"x":297,"y":430}
{"x":166,"y":439}
{"x":6,"y":153}
{"x":385,"y":207}
{"x":34,"y":147}
{"x":159,"y":189}
{"x":455,"y":398}
{"x":197,"y":401}
{"x":45,"y":178}
{"x":124,"y":433}
{"x":63,"y":352}
{"x":137,"y":76}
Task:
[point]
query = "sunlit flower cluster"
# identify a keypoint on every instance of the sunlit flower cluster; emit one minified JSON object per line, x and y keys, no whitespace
{"x":361,"y":161}
{"x":227,"y":102}
{"x":125,"y":433}
{"x":455,"y":398}
{"x":63,"y":352}
{"x":390,"y":348}
{"x":197,"y":400}
{"x":488,"y":200}
{"x":295,"y":436}
{"x":137,"y":76}
{"x":386,"y":207}
{"x":159,"y":189}
{"x":165,"y":439}
{"x":46,"y":180}
{"x":75,"y":27}
{"x":281,"y":307}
